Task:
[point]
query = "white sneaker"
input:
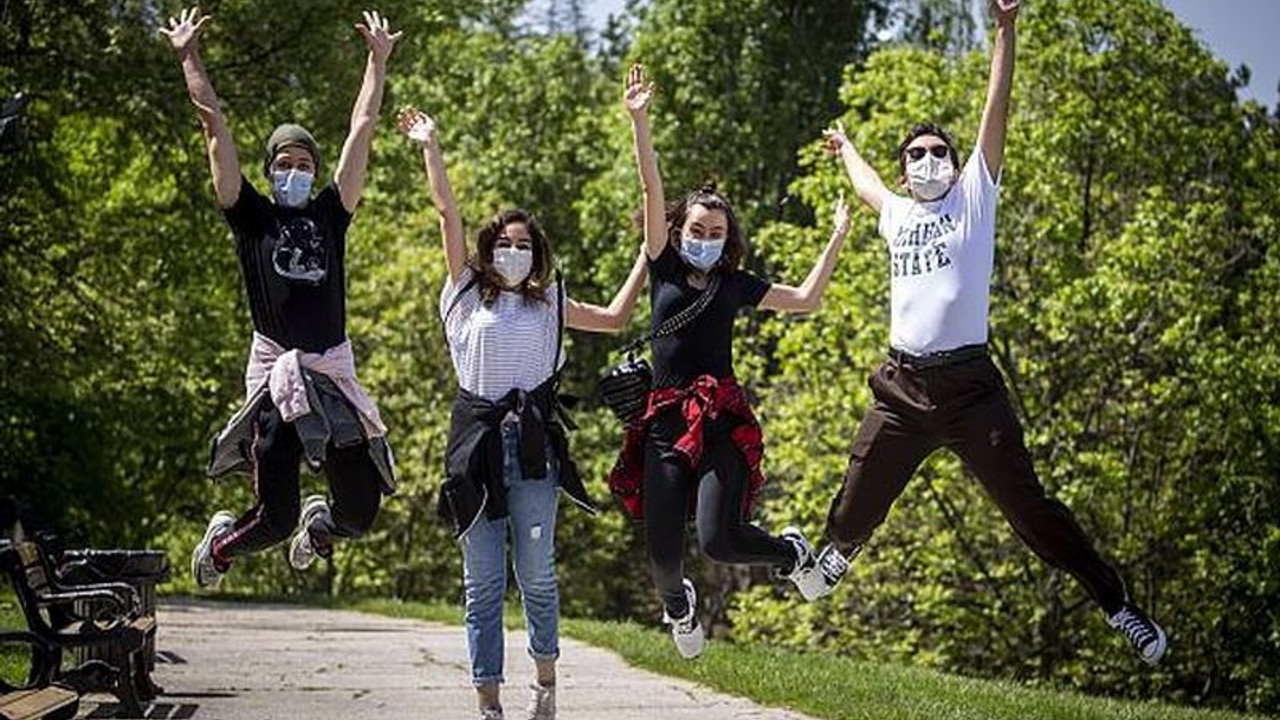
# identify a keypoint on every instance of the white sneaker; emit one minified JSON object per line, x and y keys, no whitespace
{"x":491,"y":714}
{"x":1143,"y":633}
{"x":804,"y":573}
{"x":686,"y":631}
{"x":206,"y":573}
{"x":542,"y":702}
{"x":302,"y":551}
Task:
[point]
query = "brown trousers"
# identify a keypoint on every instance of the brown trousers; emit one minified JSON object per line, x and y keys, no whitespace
{"x":963,"y":407}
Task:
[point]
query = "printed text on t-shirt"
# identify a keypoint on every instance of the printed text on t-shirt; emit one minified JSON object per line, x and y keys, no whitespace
{"x":919,"y":249}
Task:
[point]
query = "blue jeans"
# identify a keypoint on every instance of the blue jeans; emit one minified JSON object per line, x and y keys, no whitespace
{"x":531,"y":507}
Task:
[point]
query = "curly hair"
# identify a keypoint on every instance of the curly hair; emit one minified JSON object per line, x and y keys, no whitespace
{"x":534,"y":287}
{"x":735,"y":247}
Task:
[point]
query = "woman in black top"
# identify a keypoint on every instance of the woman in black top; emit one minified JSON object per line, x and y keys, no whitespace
{"x":697,"y":451}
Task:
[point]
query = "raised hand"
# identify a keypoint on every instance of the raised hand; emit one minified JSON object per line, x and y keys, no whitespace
{"x":842,"y":222}
{"x":377,"y":34}
{"x":834,"y":139}
{"x":638,"y":91}
{"x":1006,"y":11}
{"x":416,"y":125}
{"x":184,"y":31}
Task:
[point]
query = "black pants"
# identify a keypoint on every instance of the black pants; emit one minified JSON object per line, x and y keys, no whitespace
{"x":354,"y":490}
{"x":720,"y":481}
{"x":963,"y":407}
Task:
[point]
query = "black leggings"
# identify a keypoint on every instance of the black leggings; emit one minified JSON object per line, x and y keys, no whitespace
{"x":354,"y":489}
{"x":723,"y":534}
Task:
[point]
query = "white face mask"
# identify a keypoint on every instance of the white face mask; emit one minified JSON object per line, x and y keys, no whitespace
{"x":701,"y":254}
{"x":930,"y":177}
{"x":513,"y":264}
{"x":292,"y":187}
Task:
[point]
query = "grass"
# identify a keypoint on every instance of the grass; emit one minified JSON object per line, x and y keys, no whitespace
{"x":15,"y":658}
{"x":820,"y":685}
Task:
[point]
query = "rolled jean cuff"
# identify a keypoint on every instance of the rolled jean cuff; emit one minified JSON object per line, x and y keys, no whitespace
{"x":543,"y":657}
{"x":491,"y":680}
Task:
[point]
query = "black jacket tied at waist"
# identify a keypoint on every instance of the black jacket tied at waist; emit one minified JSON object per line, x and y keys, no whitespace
{"x":474,"y":480}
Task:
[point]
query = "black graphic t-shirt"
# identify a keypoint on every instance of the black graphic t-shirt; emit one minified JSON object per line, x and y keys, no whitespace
{"x":293,"y":265}
{"x":704,"y":346}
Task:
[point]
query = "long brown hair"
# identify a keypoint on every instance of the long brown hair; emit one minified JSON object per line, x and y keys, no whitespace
{"x":735,"y":246}
{"x":535,"y":286}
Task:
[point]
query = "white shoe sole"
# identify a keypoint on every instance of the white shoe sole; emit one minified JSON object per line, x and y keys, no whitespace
{"x":298,"y":558}
{"x":221,"y":519}
{"x":1161,"y":647}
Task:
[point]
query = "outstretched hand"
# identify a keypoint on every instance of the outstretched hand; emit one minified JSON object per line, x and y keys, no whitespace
{"x":184,"y":31}
{"x":638,"y":92}
{"x":834,"y":139}
{"x":377,"y":34}
{"x":416,"y":125}
{"x":1006,"y":11}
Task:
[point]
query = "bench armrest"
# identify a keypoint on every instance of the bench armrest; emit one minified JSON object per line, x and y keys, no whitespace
{"x":120,"y":608}
{"x":127,"y":593}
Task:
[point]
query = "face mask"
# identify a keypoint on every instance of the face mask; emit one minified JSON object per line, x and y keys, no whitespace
{"x":930,"y":177}
{"x":292,"y":187}
{"x":701,"y":254}
{"x":513,"y":264}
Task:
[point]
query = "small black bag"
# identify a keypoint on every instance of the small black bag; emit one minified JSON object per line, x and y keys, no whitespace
{"x":625,"y":387}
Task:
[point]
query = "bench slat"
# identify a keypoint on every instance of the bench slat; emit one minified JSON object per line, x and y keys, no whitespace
{"x":28,"y":704}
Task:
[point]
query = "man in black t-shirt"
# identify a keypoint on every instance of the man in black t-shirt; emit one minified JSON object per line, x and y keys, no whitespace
{"x":302,"y":397}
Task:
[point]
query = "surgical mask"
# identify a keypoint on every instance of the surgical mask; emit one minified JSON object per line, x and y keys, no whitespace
{"x":930,"y":177}
{"x":513,"y":264}
{"x":292,"y":187}
{"x":701,"y":254}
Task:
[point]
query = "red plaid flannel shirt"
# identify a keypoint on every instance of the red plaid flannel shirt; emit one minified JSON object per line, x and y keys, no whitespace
{"x":703,"y":400}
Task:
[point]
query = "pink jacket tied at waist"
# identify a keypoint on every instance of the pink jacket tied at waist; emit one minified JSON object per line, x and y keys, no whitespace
{"x":280,"y":371}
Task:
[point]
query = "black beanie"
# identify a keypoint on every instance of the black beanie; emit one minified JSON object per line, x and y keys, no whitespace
{"x":290,"y":134}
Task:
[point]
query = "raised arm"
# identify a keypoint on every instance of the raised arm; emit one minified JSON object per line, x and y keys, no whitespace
{"x":593,"y":318}
{"x":638,"y":93}
{"x":184,"y":33}
{"x":995,"y":116}
{"x":805,"y":298}
{"x":354,"y":162}
{"x":867,"y":183}
{"x":420,"y":128}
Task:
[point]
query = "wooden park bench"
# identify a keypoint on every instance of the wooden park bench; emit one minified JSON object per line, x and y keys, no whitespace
{"x":102,"y":615}
{"x":37,"y":699}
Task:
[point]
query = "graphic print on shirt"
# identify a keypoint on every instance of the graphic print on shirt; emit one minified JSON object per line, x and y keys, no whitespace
{"x":298,"y":251}
{"x":919,"y":248}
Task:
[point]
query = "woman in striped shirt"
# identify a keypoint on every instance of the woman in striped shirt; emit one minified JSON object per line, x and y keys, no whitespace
{"x":504,"y":309}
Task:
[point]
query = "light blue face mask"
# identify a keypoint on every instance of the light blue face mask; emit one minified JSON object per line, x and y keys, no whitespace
{"x":701,"y":254}
{"x":292,"y":187}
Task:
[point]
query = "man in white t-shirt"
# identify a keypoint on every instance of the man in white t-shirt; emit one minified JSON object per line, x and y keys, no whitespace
{"x":939,"y":387}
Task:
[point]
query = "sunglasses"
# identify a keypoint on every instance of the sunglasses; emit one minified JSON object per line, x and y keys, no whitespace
{"x":938,"y":151}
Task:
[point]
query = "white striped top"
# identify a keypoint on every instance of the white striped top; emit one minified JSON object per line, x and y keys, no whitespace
{"x":510,"y":344}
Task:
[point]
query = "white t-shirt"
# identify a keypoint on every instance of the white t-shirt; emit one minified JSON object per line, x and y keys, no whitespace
{"x":510,"y":344}
{"x":941,"y":253}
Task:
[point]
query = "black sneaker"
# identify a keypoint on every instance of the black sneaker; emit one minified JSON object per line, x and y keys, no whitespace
{"x":1143,"y":633}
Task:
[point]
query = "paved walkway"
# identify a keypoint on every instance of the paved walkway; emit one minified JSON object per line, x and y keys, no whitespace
{"x":226,"y":661}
